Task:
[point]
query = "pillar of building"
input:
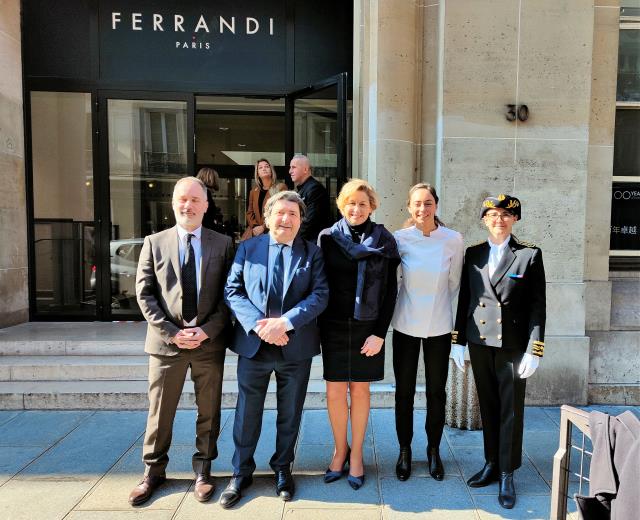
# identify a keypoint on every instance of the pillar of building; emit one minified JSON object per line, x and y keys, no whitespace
{"x":13,"y":222}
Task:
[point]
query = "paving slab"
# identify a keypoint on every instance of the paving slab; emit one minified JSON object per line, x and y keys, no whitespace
{"x":40,"y":428}
{"x":313,"y":459}
{"x":120,"y":515}
{"x":258,"y":501}
{"x":8,"y":415}
{"x":90,"y":450}
{"x":526,"y":508}
{"x":112,"y":492}
{"x":21,"y":500}
{"x":14,"y":459}
{"x":330,"y":514}
{"x":426,"y":498}
{"x":313,"y":493}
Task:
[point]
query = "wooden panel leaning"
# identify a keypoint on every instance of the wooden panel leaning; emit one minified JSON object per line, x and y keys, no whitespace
{"x":569,"y":417}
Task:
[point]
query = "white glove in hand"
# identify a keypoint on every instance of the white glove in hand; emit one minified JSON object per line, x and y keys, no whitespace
{"x":528,"y":365}
{"x":457,"y":354}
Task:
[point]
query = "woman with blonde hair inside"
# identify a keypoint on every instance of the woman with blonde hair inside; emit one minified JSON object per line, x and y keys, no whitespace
{"x":361,"y":259}
{"x":266,"y":185}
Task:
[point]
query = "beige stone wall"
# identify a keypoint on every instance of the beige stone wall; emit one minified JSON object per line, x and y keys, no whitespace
{"x":471,"y":59}
{"x":13,"y":224}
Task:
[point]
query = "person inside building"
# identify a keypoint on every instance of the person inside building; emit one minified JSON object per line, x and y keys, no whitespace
{"x":276,"y":289}
{"x":187,"y":322}
{"x":313,"y":194}
{"x":501,"y":316}
{"x":429,"y":279}
{"x":361,"y":261}
{"x":213,"y":217}
{"x":266,"y":185}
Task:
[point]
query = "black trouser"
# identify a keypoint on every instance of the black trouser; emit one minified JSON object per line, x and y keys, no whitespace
{"x":406,"y":352}
{"x":501,"y":396}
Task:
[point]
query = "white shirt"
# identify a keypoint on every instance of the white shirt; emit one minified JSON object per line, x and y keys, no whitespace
{"x":430,"y":273}
{"x":495,"y":255}
{"x":196,"y":242}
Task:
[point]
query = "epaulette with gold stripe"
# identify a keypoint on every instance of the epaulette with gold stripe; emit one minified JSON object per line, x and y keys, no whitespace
{"x":538,"y":348}
{"x":524,"y":243}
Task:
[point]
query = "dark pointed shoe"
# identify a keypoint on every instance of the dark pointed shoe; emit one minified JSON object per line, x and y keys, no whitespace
{"x":332,"y":476}
{"x":285,"y":486}
{"x":232,"y":493}
{"x":485,"y":476}
{"x":355,"y":482}
{"x":436,"y":469}
{"x":507,"y":492}
{"x":144,"y":491}
{"x":203,"y":488}
{"x":403,"y":466}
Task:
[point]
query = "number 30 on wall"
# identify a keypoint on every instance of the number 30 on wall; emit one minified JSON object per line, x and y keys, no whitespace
{"x":521,"y":112}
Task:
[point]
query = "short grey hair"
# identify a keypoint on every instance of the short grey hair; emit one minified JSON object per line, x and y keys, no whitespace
{"x":190,"y":179}
{"x":289,"y":196}
{"x":305,"y":160}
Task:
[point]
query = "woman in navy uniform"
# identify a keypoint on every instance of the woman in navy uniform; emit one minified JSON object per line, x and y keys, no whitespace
{"x":501,"y":315}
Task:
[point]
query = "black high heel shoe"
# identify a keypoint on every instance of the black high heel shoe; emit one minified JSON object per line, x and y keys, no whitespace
{"x":332,"y":476}
{"x":355,"y":482}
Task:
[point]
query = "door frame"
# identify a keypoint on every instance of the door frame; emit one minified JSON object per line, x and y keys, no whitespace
{"x":102,"y":194}
{"x":341,"y":82}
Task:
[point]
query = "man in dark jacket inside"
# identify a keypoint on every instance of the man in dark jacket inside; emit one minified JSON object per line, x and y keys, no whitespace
{"x":313,"y":194}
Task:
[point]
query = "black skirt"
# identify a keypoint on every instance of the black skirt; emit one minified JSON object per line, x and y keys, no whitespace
{"x":341,"y":358}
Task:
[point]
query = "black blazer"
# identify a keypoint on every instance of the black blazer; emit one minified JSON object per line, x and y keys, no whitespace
{"x":316,"y":198}
{"x":508,"y":310}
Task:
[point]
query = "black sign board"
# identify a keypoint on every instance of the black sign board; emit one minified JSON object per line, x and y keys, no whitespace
{"x":191,"y":45}
{"x":625,"y":216}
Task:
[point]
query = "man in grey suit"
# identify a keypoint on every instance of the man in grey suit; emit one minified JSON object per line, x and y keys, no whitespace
{"x":179,"y":286}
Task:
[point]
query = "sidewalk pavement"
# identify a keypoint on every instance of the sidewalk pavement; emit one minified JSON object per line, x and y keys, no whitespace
{"x":82,"y":465}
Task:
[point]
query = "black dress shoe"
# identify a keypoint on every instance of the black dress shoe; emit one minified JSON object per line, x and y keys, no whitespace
{"x":436,"y":469}
{"x":143,"y":491}
{"x":403,"y":466}
{"x":285,"y":487}
{"x":232,"y":493}
{"x":485,"y":476}
{"x":507,"y":492}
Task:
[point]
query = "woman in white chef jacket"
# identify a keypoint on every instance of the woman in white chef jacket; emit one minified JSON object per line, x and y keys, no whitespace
{"x":432,"y":257}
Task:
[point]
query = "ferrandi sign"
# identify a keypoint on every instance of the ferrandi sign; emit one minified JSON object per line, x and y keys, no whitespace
{"x":193,"y":41}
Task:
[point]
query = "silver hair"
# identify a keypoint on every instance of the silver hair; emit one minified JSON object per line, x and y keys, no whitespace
{"x":305,"y":160}
{"x":191,"y":179}
{"x":290,"y":196}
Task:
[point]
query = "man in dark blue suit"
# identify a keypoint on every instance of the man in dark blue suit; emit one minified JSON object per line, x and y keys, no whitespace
{"x":276,"y":289}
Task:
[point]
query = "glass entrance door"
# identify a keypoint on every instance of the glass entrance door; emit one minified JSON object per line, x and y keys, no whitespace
{"x":318,"y":126}
{"x":147,"y":149}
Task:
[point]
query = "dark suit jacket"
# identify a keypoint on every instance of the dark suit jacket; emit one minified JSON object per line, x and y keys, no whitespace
{"x":316,"y":198}
{"x":159,"y":291}
{"x":507,"y":310}
{"x":306,"y":296}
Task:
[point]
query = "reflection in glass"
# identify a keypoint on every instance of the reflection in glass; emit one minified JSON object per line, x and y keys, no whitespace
{"x":147,"y":155}
{"x":629,"y":65}
{"x":315,"y":135}
{"x":232,"y":133}
{"x":63,"y":203}
{"x":626,"y":150}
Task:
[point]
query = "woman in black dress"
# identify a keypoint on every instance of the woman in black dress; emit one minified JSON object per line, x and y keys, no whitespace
{"x":361,"y":259}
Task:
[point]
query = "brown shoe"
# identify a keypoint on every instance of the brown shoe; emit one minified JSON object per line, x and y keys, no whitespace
{"x":204,"y":487}
{"x":143,"y":491}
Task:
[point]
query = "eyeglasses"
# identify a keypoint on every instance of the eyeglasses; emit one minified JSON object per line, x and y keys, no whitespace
{"x":496,"y":216}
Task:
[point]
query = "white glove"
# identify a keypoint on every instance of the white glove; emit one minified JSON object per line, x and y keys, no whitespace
{"x":457,"y":354}
{"x":528,"y":365}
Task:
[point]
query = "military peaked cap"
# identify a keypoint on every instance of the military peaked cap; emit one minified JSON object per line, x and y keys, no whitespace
{"x":507,"y":202}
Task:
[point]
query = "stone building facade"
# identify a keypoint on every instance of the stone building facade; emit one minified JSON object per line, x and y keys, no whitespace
{"x":432,"y":84}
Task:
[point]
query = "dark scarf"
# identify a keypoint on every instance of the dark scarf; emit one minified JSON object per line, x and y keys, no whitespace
{"x":376,"y":246}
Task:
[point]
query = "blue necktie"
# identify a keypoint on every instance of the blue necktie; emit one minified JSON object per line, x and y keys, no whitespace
{"x":276,"y":288}
{"x":189,"y":283}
